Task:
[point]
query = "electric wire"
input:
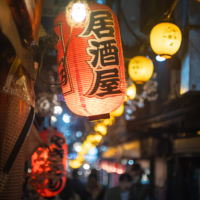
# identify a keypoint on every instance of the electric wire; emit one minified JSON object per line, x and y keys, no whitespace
{"x":64,"y":61}
{"x":41,"y":136}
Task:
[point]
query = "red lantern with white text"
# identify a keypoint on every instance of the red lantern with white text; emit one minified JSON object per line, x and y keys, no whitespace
{"x":49,"y":168}
{"x":93,"y":80}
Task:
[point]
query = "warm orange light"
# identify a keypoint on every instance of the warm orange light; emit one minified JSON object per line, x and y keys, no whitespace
{"x":45,"y":165}
{"x":75,"y":164}
{"x":98,"y":138}
{"x":80,"y":158}
{"x":93,"y":79}
{"x":90,"y":138}
{"x":87,"y":145}
{"x":118,"y":112}
{"x":126,"y":98}
{"x":165,"y":39}
{"x":101,"y":128}
{"x":140,"y":69}
{"x":131,"y":91}
{"x":110,"y":121}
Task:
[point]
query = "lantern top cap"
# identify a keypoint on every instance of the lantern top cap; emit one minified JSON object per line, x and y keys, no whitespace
{"x":77,"y":13}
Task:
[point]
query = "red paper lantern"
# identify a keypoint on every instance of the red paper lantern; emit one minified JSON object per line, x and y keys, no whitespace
{"x":93,"y":80}
{"x":49,"y":169}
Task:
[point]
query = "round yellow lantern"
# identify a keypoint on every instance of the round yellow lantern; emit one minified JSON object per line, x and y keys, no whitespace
{"x":75,"y":164}
{"x":101,"y":128}
{"x":165,"y":39}
{"x":118,"y":112}
{"x":131,"y":91}
{"x":140,"y":69}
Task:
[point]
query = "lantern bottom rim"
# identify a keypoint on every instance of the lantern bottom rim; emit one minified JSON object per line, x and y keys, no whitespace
{"x":98,"y":117}
{"x":167,"y":56}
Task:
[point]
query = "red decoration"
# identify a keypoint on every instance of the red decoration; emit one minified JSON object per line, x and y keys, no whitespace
{"x":93,"y":80}
{"x":49,"y":169}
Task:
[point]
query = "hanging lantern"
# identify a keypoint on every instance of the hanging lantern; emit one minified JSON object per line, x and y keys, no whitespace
{"x":101,"y":128}
{"x":131,"y":91}
{"x":118,"y":112}
{"x":92,"y":77}
{"x":49,"y":168}
{"x":75,"y":164}
{"x":140,"y":69}
{"x":165,"y":39}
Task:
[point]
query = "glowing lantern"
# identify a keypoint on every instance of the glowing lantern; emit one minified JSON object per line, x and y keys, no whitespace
{"x":140,"y":69}
{"x":101,"y":128}
{"x":131,"y":91}
{"x":49,"y":168}
{"x":165,"y":39}
{"x":93,"y":80}
{"x":75,"y":164}
{"x":118,"y":112}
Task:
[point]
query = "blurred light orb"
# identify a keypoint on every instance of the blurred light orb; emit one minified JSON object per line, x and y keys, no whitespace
{"x":98,"y":138}
{"x":160,"y":59}
{"x":87,"y":145}
{"x":78,"y":134}
{"x":93,"y":151}
{"x":131,"y":91}
{"x":140,"y":69}
{"x":101,"y":128}
{"x":103,"y":148}
{"x":118,"y":112}
{"x":130,"y":162}
{"x":110,"y":121}
{"x":80,"y":173}
{"x":53,"y":119}
{"x":77,"y":146}
{"x":165,"y":39}
{"x":57,"y":110}
{"x":86,"y":166}
{"x":78,"y":12}
{"x":80,"y":158}
{"x":75,"y":164}
{"x":66,"y":118}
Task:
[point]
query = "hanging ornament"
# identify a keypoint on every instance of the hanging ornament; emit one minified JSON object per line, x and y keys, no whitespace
{"x":90,"y":60}
{"x":49,"y":168}
{"x":140,"y":69}
{"x":165,"y":39}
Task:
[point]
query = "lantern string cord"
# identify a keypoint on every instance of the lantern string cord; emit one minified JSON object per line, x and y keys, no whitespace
{"x":128,"y":26}
{"x":172,"y":9}
{"x":64,"y":62}
{"x":41,"y":136}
